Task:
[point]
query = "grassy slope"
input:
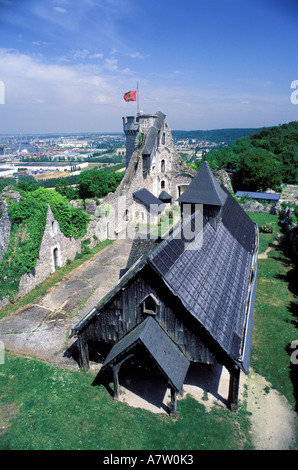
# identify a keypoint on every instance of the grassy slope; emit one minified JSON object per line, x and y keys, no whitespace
{"x":44,"y":407}
{"x":275,"y":320}
{"x":51,"y":408}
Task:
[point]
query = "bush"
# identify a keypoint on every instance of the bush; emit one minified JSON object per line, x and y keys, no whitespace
{"x":267,"y":228}
{"x":97,"y":183}
{"x":28,"y":219}
{"x":73,"y":221}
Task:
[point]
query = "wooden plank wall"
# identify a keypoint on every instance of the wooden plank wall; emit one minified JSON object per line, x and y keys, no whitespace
{"x":122,"y":314}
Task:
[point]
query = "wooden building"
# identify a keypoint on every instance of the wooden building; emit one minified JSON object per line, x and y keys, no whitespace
{"x":184,"y":300}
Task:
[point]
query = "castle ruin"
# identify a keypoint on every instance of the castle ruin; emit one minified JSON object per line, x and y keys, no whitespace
{"x":154,"y":179}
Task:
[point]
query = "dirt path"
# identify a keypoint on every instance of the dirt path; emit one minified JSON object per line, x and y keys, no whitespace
{"x":271,"y":246}
{"x":274,"y":423}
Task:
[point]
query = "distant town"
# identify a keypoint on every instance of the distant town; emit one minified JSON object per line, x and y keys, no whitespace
{"x":39,"y":155}
{"x":49,"y":155}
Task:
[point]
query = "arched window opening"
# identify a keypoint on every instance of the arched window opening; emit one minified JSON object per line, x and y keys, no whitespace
{"x":54,"y":227}
{"x":55,"y":258}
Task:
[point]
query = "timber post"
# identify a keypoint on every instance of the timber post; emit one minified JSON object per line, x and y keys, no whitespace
{"x":116,"y":381}
{"x":173,"y":402}
{"x":234,"y":388}
{"x":116,"y":368}
{"x":83,"y":352}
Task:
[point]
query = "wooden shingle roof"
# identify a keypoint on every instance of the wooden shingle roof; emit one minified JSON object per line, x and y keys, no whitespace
{"x":204,"y":189}
{"x":212,"y":278}
{"x":164,"y":196}
{"x":153,"y":134}
{"x":154,"y":204}
{"x":168,"y":357}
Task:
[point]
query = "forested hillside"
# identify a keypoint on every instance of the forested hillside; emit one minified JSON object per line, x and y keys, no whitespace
{"x":262,"y":160}
{"x":228,"y":136}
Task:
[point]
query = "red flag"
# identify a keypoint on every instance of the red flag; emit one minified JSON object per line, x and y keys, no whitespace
{"x":130,"y":95}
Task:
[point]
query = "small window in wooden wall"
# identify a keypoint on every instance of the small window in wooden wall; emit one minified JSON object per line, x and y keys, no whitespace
{"x":150,"y":305}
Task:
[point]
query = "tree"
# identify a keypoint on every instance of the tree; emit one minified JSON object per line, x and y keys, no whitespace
{"x":93,"y":183}
{"x":27,"y":184}
{"x":259,"y":169}
{"x":97,"y":183}
{"x":63,"y":188}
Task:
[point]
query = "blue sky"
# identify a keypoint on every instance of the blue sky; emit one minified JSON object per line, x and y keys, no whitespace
{"x":206,"y":64}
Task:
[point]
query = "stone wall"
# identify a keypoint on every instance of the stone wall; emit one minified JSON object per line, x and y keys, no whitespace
{"x":255,"y":206}
{"x":111,"y":218}
{"x":55,"y":250}
{"x":223,"y":177}
{"x":5,"y":224}
{"x":168,"y":172}
{"x":5,"y":227}
{"x":291,"y":230}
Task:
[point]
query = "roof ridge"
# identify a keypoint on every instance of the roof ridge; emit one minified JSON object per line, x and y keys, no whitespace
{"x":204,"y":189}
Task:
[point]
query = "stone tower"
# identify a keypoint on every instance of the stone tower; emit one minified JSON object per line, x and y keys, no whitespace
{"x":131,"y":130}
{"x":152,"y":161}
{"x":135,"y":127}
{"x":155,"y":175}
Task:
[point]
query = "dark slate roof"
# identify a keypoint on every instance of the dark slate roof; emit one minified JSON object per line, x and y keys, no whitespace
{"x":212,"y":278}
{"x":210,"y":275}
{"x":150,"y":141}
{"x":161,"y":348}
{"x":153,"y":134}
{"x":148,"y":199}
{"x":258,"y":195}
{"x":204,"y":189}
{"x":141,"y":247}
{"x":164,"y":196}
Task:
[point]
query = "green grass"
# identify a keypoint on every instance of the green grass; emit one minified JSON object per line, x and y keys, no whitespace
{"x":275,"y":326}
{"x":46,"y":407}
{"x":275,"y":316}
{"x":263,"y":219}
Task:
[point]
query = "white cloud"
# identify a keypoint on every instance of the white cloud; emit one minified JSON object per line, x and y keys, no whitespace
{"x":111,"y":64}
{"x":60,"y":9}
{"x":41,"y":43}
{"x":80,"y":53}
{"x":97,"y":55}
{"x":53,"y":96}
{"x":136,"y":55}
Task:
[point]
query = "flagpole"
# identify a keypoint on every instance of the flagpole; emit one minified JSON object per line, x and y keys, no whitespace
{"x":138,"y":107}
